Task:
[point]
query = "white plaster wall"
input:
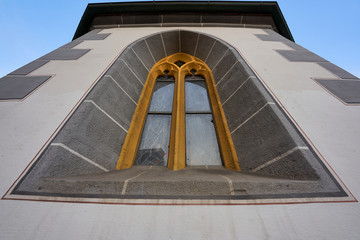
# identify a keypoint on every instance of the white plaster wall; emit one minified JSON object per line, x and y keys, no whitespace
{"x":333,"y":128}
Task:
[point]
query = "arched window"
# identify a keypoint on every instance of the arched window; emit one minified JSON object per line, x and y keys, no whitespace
{"x":179,"y":120}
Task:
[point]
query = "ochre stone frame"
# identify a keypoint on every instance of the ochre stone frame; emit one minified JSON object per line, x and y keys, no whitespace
{"x":177,"y":154}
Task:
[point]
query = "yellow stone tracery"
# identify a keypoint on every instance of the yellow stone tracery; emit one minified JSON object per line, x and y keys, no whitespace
{"x":177,"y":155}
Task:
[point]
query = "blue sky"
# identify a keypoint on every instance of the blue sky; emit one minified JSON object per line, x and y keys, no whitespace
{"x":31,"y":29}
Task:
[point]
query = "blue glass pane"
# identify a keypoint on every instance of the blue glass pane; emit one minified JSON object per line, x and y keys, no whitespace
{"x":196,"y":98}
{"x":162,"y":98}
{"x":154,"y":145}
{"x":201,"y":141}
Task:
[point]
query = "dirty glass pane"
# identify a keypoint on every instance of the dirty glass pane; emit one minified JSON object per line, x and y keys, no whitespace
{"x":154,"y":145}
{"x":196,"y":98}
{"x":201,"y":142}
{"x":162,"y":98}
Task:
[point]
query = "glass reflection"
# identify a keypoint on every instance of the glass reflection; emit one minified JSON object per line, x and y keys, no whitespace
{"x":154,"y":145}
{"x":201,"y":141}
{"x":162,"y":99}
{"x":196,"y":98}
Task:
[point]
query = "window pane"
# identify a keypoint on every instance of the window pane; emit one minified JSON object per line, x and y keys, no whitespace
{"x":196,"y":98}
{"x":162,"y":98}
{"x":201,"y":141}
{"x":154,"y":145}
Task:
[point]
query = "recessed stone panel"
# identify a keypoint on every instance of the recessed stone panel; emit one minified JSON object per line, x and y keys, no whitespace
{"x":18,"y":87}
{"x":300,"y":56}
{"x":341,"y":73}
{"x":28,"y":68}
{"x":347,"y":90}
{"x":65,"y":54}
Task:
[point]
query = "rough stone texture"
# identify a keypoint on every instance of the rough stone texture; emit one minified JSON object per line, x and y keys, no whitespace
{"x":126,"y":79}
{"x":204,"y":46}
{"x":244,"y":103}
{"x":142,"y":51}
{"x":263,"y":138}
{"x":224,"y":65}
{"x":188,"y":41}
{"x":135,"y":64}
{"x":94,"y":135}
{"x":156,"y":46}
{"x":231,"y":81}
{"x":18,"y":87}
{"x":341,"y":73}
{"x":188,"y":183}
{"x":347,"y":90}
{"x":300,"y":56}
{"x":110,"y":98}
{"x":54,"y":162}
{"x":171,"y":41}
{"x":28,"y":68}
{"x":216,"y":54}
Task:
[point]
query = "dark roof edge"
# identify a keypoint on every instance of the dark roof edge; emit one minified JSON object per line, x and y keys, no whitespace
{"x":272,"y":7}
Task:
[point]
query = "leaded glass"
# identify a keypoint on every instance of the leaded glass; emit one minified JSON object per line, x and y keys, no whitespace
{"x":196,"y":98}
{"x":162,"y":99}
{"x":154,"y":145}
{"x":201,"y":141}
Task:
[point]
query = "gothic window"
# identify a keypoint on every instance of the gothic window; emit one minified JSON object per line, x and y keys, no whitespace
{"x":179,"y":120}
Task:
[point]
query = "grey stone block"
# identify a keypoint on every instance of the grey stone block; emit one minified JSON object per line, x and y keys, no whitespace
{"x":94,"y":135}
{"x":106,"y":20}
{"x":263,"y":138}
{"x":244,"y":103}
{"x":341,"y":73}
{"x":72,"y":43}
{"x":54,"y":162}
{"x":156,"y":47}
{"x":114,"y":101}
{"x":300,"y":56}
{"x":18,"y":87}
{"x":224,"y":65}
{"x":347,"y":90}
{"x":140,"y":19}
{"x":135,"y":64}
{"x":221,"y":19}
{"x":259,"y":20}
{"x":65,"y":54}
{"x":171,"y":41}
{"x":181,"y":18}
{"x":28,"y":68}
{"x":143,"y":52}
{"x":188,"y":41}
{"x":126,"y":79}
{"x":231,"y":81}
{"x":204,"y":46}
{"x":216,"y":54}
{"x":292,"y":166}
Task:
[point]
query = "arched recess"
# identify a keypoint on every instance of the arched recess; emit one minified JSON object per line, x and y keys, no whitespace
{"x":265,"y":141}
